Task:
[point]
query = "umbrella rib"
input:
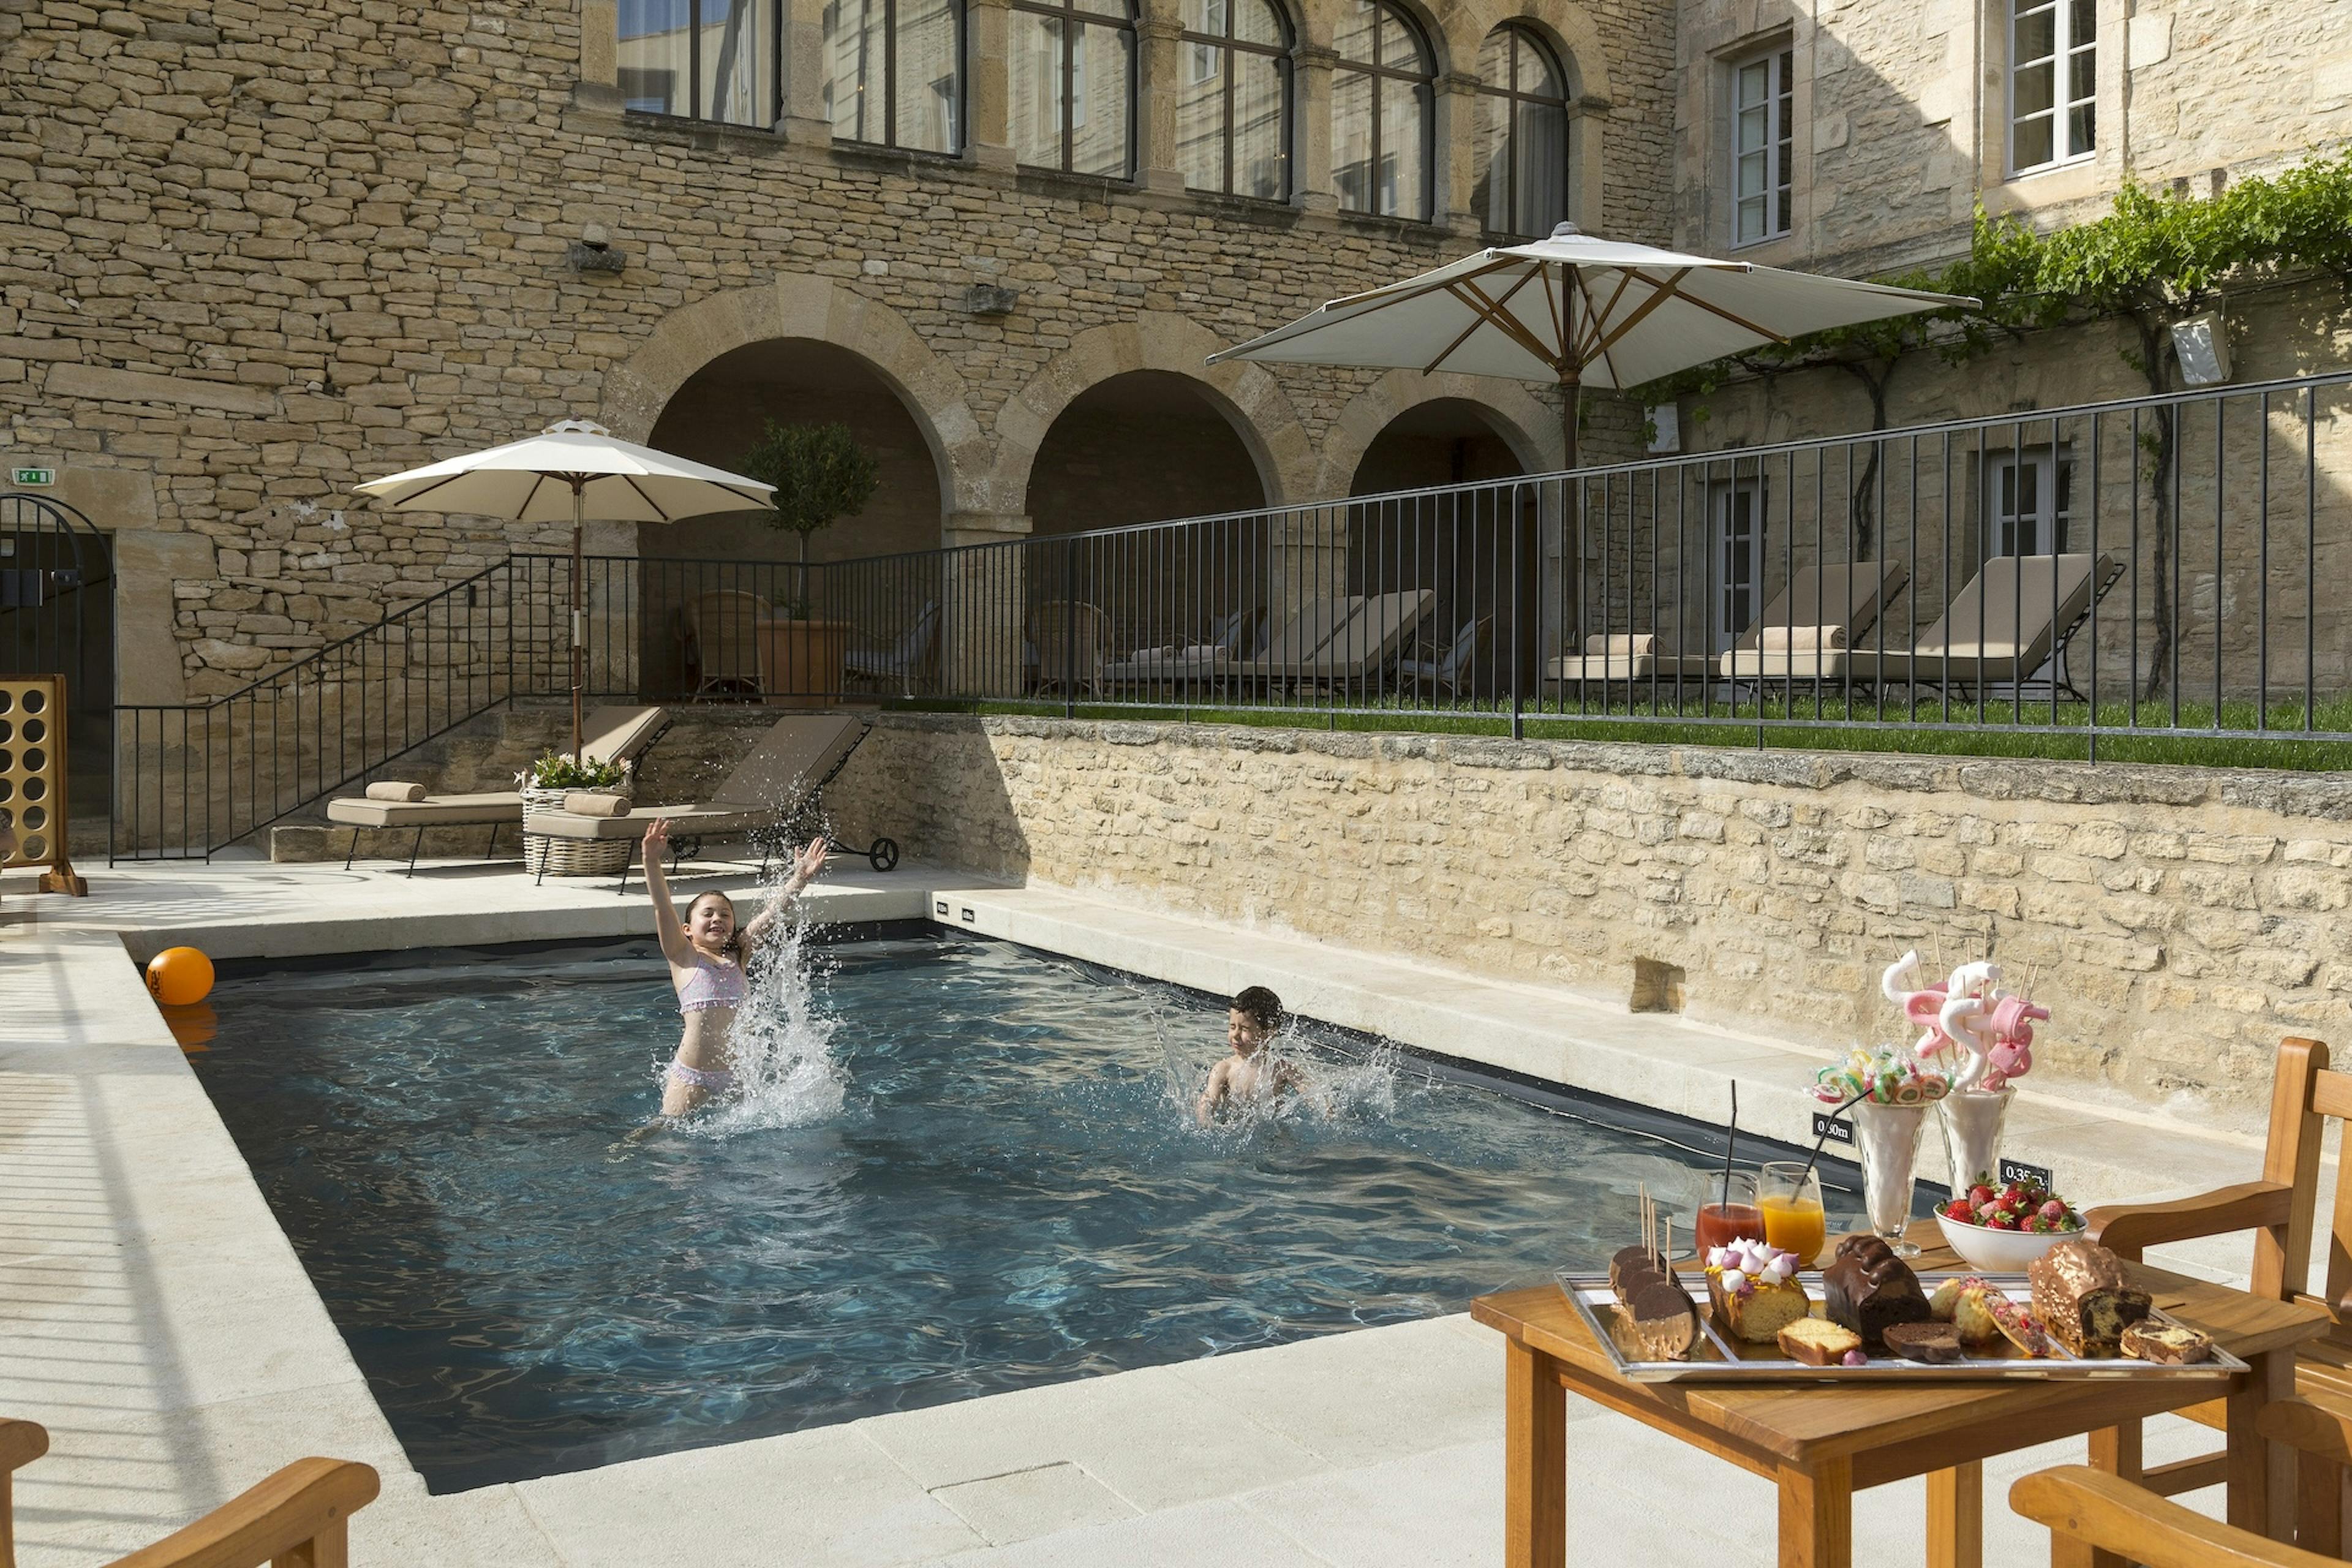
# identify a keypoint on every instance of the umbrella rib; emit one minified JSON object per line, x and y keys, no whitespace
{"x":1592,"y":316}
{"x":1481,"y":313}
{"x":531,"y":495}
{"x":1662,"y":292}
{"x":1625,"y":276}
{"x":659,"y":510}
{"x":1388,"y":297}
{"x":1764,"y":333}
{"x":1559,"y":327}
{"x":1508,"y":325}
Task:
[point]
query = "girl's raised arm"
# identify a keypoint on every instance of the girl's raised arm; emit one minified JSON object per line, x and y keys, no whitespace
{"x":667,"y":925}
{"x":805,"y":865}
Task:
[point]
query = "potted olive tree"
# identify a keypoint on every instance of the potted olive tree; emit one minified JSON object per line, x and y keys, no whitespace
{"x":821,"y":475}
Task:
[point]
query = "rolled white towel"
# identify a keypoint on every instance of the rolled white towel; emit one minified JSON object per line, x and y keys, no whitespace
{"x":385,"y":789}
{"x":1802,"y":639}
{"x":1620,"y":645}
{"x":597,"y":802}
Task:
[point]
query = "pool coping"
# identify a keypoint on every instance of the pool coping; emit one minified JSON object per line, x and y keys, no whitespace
{"x":170,"y":1302}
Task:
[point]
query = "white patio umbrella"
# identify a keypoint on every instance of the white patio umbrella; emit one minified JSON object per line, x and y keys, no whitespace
{"x":573,"y":469}
{"x":1577,"y":311}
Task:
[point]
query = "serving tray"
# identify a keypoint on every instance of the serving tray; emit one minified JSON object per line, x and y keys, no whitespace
{"x":1719,"y":1358}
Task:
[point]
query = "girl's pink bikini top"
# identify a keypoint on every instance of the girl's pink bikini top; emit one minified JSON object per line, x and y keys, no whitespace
{"x":711,"y":985}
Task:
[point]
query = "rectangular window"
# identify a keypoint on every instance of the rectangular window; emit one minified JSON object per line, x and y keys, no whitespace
{"x":706,"y":60}
{"x":2054,"y":78}
{"x":2030,"y":502}
{"x":1739,"y":552}
{"x":1762,"y":115}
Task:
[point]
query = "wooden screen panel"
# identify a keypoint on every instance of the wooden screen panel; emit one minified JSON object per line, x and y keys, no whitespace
{"x":33,"y":804}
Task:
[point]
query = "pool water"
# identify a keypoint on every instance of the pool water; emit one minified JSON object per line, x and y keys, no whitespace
{"x":986,"y":1179}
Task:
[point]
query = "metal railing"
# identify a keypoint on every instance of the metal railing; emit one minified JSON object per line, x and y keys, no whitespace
{"x":2164,"y":566}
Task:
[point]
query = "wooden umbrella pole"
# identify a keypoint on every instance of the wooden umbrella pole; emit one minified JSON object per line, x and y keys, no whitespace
{"x":579,"y":654}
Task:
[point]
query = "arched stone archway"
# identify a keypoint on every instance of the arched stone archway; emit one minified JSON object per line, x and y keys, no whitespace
{"x":1568,"y":27}
{"x":1524,"y":424}
{"x":795,"y":306}
{"x":1251,"y":400}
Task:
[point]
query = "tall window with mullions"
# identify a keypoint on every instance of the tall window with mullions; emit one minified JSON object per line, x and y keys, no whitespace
{"x":1380,"y":115}
{"x":1074,"y":86}
{"x":2054,"y":80}
{"x":1232,"y":99}
{"x":1522,"y":147}
{"x":1762,"y":111}
{"x":700,"y":59}
{"x":894,"y":72}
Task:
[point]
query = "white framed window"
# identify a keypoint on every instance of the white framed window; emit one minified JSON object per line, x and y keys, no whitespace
{"x":2029,"y":500}
{"x":2054,"y":78}
{"x":1736,"y":509}
{"x":1762,"y":115}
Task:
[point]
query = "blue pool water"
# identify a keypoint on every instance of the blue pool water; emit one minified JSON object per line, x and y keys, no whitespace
{"x":982,"y":1180}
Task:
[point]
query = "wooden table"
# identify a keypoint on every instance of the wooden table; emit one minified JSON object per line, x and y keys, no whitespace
{"x":1821,"y":1444}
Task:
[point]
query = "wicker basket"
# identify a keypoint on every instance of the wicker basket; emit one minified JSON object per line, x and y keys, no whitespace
{"x":545,"y":854}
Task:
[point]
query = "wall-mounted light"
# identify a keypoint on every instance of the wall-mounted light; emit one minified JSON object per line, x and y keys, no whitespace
{"x":2202,"y":343}
{"x":594,"y":251}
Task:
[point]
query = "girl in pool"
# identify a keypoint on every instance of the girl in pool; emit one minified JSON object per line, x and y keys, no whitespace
{"x":706,"y":957}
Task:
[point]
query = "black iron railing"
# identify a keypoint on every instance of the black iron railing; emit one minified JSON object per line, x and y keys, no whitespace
{"x":2155,"y":567}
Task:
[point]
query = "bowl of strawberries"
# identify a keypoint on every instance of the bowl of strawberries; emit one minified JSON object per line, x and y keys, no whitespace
{"x":2002,"y":1229}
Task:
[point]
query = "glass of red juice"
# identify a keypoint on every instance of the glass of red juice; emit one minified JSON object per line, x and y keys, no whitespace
{"x":1728,"y":1212}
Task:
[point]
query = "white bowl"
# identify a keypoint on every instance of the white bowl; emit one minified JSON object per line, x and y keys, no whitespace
{"x":1999,"y":1251}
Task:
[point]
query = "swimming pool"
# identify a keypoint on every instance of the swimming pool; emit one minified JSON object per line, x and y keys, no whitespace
{"x":1000,"y":1190}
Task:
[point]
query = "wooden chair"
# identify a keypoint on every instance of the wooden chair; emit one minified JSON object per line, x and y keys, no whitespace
{"x":2092,"y":1515}
{"x":2281,"y":1210}
{"x":299,"y":1517}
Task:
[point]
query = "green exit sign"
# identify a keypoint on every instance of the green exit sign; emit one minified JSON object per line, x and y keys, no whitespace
{"x":37,"y":475}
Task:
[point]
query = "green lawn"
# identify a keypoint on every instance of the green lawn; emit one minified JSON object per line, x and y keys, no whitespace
{"x":1931,"y":730}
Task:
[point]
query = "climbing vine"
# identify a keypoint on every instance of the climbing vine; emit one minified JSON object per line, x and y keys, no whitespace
{"x":2153,"y":256}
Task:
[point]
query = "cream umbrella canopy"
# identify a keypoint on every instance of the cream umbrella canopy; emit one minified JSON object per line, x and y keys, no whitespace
{"x":1577,"y":311}
{"x":573,"y":469}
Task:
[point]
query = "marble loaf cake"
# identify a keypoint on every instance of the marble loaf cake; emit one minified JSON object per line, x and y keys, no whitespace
{"x":2080,"y":1296}
{"x":1869,"y":1290}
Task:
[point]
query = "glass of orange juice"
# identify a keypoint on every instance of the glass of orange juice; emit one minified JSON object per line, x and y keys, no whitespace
{"x":1790,"y":1193}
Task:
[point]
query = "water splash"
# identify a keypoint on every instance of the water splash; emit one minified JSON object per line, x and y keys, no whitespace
{"x":781,"y":1044}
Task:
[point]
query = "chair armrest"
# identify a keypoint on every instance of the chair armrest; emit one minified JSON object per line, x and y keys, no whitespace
{"x":2315,"y":1423}
{"x":306,"y":1500}
{"x":21,"y":1442}
{"x":2130,"y":1229}
{"x":2107,"y":1512}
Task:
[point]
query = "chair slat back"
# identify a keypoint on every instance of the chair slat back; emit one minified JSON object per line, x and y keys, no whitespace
{"x":2304,"y":1094}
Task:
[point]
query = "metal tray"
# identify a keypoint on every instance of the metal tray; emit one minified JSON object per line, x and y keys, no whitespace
{"x":1718,"y":1358}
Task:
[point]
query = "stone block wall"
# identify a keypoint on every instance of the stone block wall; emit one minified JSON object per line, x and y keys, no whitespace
{"x":2178,"y":921}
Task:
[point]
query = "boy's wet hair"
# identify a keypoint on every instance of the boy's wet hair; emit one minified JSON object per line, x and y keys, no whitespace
{"x":1261,"y":1006}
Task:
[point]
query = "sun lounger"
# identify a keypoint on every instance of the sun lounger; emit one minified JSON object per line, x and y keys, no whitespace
{"x":1365,"y":644}
{"x":606,"y":735}
{"x":2015,"y":615}
{"x":1624,"y":657}
{"x":1186,"y":663}
{"x":901,"y":660}
{"x":771,"y":790}
{"x":1452,"y":671}
{"x":1813,"y":627}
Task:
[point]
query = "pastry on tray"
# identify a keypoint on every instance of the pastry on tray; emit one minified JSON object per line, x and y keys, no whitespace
{"x":1959,"y":1302}
{"x":1753,"y":1292}
{"x":1937,"y":1344}
{"x":2173,"y":1345}
{"x":1869,"y":1290}
{"x":2081,"y":1298}
{"x":1817,"y":1342}
{"x":1656,"y":1319}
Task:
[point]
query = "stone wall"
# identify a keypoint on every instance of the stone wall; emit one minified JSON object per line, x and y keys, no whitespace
{"x":2179,"y":920}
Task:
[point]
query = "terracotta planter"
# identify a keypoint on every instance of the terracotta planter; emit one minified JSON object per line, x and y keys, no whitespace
{"x":801,"y":662}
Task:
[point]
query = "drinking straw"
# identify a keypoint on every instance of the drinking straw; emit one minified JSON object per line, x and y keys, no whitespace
{"x":1825,"y":1136}
{"x":1730,"y":1138}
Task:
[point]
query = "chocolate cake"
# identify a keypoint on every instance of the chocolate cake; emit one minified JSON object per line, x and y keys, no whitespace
{"x":1636,"y":1259}
{"x":1935,"y":1342}
{"x":1869,"y":1290}
{"x":1659,"y":1320}
{"x":2082,"y":1299}
{"x":2169,"y":1343}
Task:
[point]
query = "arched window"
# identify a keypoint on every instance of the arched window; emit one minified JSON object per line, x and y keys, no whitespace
{"x":894,"y":72}
{"x":1073,"y":85}
{"x":1379,"y":112}
{"x":1522,"y":148}
{"x":1232,"y":99}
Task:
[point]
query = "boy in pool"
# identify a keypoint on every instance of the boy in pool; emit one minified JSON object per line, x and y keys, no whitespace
{"x":1255,"y":1016}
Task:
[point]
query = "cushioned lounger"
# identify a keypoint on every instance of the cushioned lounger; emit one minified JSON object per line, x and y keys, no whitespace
{"x":1363,"y":645}
{"x":2011,"y":620}
{"x":607,"y":734}
{"x":1844,"y":598}
{"x":779,"y":780}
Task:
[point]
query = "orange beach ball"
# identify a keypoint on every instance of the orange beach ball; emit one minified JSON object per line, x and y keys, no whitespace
{"x":178,"y":976}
